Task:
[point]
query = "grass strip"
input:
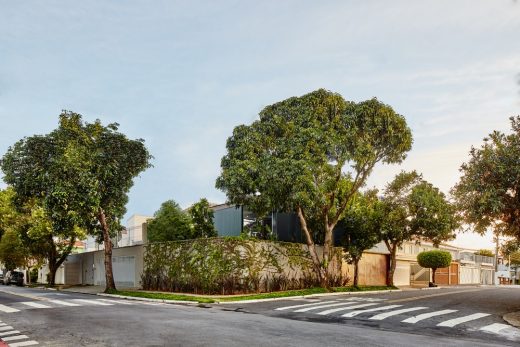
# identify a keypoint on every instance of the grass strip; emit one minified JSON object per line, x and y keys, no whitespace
{"x":164,"y":296}
{"x":284,"y":294}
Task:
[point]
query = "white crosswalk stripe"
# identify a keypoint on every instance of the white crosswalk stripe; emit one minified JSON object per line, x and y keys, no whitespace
{"x":116,"y":302}
{"x":323,"y":313}
{"x":6,"y":328}
{"x":64,"y":303}
{"x":385,"y":315}
{"x":358,"y":312}
{"x":7,"y":333}
{"x":8,"y":309}
{"x":93,"y":302}
{"x":34,"y":304}
{"x":424,"y":316}
{"x":301,"y":305}
{"x":23,"y":344}
{"x":14,"y":338}
{"x":306,"y":309}
{"x":495,"y":327}
{"x":456,"y":321}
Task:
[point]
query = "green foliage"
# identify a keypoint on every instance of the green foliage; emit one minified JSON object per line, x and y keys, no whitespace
{"x":13,"y":253}
{"x":485,"y":252}
{"x":434,"y":259}
{"x":487,"y":193}
{"x":514,"y":258}
{"x":81,"y":174}
{"x":231,"y":265}
{"x":415,"y":210}
{"x":362,"y":225}
{"x":170,"y":223}
{"x":202,"y":219}
{"x":311,"y":154}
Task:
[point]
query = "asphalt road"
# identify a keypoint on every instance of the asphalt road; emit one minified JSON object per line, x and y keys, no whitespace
{"x":52,"y":318}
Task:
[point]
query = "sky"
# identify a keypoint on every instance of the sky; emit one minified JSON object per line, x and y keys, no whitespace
{"x":183,"y":74}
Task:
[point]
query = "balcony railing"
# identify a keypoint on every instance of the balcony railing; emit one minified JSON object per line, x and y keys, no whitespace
{"x":479,"y":259}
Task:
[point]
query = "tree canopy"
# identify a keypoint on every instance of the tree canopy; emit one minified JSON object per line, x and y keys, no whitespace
{"x":485,"y":252}
{"x":310,"y":155}
{"x":488,"y":192}
{"x":415,"y":210}
{"x":81,"y":173}
{"x":170,"y":223}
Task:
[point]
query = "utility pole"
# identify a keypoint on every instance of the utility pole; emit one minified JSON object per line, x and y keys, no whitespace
{"x":496,"y":258}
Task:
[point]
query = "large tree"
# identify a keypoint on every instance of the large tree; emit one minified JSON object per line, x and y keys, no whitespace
{"x":310,"y":155}
{"x":414,"y":210}
{"x":488,"y":193}
{"x":362,"y":227}
{"x":82,"y":173}
{"x":170,"y":223}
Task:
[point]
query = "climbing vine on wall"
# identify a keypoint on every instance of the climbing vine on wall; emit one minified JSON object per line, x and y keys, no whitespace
{"x":231,"y":266}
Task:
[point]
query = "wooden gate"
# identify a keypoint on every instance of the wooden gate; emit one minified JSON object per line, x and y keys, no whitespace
{"x":448,"y":275}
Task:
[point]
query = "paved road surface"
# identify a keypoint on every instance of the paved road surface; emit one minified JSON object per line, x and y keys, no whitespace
{"x":416,"y":318}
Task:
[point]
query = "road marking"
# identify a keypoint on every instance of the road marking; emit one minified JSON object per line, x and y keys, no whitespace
{"x":64,"y":303}
{"x":6,"y":328}
{"x":325,"y":306}
{"x":94,"y":302}
{"x":355,"y":313}
{"x":432,"y":295}
{"x":14,"y":338}
{"x":8,"y":309}
{"x":5,"y":333}
{"x":453,"y":322}
{"x":23,"y":344}
{"x":495,"y":327}
{"x":385,"y":315}
{"x":2,"y":324}
{"x":323,"y":313}
{"x":302,"y":305}
{"x":116,"y":301}
{"x":423,"y":316}
{"x":34,"y":304}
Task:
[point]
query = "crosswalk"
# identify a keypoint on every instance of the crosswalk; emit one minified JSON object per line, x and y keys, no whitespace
{"x":14,"y":338}
{"x":378,"y":310}
{"x":45,"y":303}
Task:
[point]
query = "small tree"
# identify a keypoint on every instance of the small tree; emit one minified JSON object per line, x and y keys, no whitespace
{"x":414,"y":210}
{"x":170,"y":223}
{"x":434,"y":260}
{"x":202,"y":219}
{"x":362,"y":223}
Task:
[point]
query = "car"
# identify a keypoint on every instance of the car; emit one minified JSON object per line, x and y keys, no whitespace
{"x":13,"y":277}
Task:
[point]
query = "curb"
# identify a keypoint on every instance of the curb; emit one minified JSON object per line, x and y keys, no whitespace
{"x":185,"y":302}
{"x":513,"y":318}
{"x":308,"y":296}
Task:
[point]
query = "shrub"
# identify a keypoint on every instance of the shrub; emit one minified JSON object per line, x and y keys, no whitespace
{"x":434,"y":260}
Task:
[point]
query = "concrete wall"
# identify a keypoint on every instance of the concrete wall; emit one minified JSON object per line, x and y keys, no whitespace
{"x":89,"y":267}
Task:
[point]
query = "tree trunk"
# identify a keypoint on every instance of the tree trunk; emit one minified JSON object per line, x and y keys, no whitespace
{"x":320,"y":271}
{"x":433,"y":275}
{"x":391,"y":270}
{"x":109,"y":274}
{"x":356,"y":272}
{"x":52,"y":273}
